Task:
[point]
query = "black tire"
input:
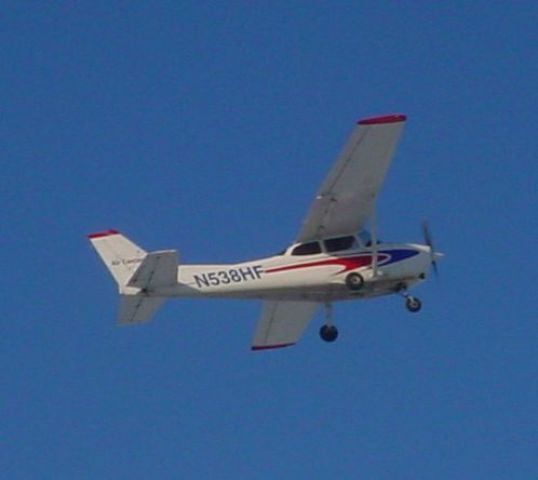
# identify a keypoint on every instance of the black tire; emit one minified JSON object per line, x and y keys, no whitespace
{"x":413,"y":304}
{"x":354,"y":281}
{"x":328,"y":333}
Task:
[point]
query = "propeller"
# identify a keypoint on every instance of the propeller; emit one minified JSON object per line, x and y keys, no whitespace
{"x":428,"y":240}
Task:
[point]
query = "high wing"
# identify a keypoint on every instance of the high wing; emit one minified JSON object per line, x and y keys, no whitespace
{"x":282,"y":323}
{"x":348,"y":194}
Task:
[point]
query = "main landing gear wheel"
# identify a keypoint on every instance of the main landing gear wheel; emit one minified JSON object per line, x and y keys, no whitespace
{"x":354,"y":281}
{"x":328,"y":333}
{"x":413,"y":304}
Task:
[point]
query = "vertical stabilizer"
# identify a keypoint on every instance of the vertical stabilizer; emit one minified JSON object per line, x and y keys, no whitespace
{"x":121,"y":256}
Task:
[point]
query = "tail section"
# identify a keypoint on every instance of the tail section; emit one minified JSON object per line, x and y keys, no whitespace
{"x":138,"y":308}
{"x":158,"y":269}
{"x":121,"y":256}
{"x":139,"y":274}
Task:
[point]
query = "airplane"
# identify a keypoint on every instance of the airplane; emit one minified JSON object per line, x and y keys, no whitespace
{"x":334,"y":257}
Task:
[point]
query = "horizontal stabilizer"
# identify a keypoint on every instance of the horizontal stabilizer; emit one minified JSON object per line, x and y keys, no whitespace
{"x":135,"y":309}
{"x":158,"y":269}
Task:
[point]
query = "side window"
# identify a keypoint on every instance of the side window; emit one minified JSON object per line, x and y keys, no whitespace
{"x":311,"y":248}
{"x":340,"y":243}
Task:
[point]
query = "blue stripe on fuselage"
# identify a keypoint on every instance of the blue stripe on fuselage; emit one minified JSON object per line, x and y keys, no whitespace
{"x":399,"y":255}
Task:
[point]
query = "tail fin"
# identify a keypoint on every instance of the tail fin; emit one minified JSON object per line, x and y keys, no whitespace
{"x":121,"y":256}
{"x":138,"y":274}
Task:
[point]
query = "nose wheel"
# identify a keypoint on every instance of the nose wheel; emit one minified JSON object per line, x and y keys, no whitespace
{"x":328,"y":332}
{"x":413,"y":304}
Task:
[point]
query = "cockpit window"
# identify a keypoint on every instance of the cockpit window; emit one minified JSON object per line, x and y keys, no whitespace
{"x":340,"y":243}
{"x":311,"y":248}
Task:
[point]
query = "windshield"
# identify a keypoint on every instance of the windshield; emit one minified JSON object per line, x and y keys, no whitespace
{"x":366,"y":238}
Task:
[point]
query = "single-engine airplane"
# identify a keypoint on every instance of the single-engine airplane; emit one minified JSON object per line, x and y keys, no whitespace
{"x":333,"y":257}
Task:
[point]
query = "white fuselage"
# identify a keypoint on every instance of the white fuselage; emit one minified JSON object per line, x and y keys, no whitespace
{"x":319,"y":277}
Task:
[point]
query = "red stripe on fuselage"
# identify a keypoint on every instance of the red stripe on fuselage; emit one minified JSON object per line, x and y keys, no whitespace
{"x":348,"y":263}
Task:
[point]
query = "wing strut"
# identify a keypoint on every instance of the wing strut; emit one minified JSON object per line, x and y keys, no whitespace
{"x":373,"y":226}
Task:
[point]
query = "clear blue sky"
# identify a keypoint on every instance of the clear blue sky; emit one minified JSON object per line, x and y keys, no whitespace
{"x":208,"y":128}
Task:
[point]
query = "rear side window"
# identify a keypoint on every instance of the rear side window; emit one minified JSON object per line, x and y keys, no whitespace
{"x":311,"y":248}
{"x":340,"y":243}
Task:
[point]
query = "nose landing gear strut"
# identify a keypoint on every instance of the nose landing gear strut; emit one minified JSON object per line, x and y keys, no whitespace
{"x":412,"y":304}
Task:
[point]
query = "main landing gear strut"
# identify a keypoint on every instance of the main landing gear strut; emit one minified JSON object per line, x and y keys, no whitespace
{"x":328,"y":332}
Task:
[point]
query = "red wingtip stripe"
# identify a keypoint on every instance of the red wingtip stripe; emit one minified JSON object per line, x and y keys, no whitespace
{"x":106,"y":233}
{"x":394,"y":118}
{"x":270,"y":347}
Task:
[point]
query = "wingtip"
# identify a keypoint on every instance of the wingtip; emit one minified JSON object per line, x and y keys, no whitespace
{"x":104,"y":233}
{"x":257,"y":348}
{"x":392,"y":118}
